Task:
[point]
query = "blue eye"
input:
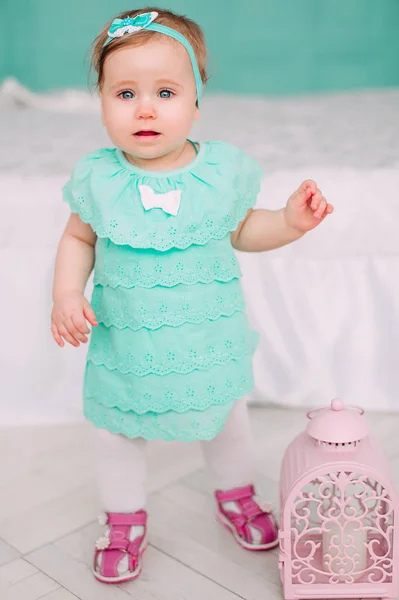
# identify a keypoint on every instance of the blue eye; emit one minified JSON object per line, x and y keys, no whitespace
{"x":165,"y":94}
{"x":126,"y":95}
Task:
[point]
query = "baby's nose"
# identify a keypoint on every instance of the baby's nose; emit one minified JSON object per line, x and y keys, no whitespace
{"x":145,"y":110}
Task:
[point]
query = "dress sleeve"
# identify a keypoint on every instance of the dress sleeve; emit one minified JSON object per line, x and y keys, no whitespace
{"x":247,"y":180}
{"x":74,"y":191}
{"x":246,"y":183}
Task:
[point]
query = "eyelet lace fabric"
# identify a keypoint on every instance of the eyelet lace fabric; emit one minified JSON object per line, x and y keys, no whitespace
{"x":196,"y":390}
{"x":216,"y":195}
{"x":136,"y":267}
{"x":186,"y":427}
{"x":173,"y":348}
{"x":152,"y":308}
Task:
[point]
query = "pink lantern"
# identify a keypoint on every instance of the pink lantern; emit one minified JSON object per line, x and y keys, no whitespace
{"x":338,"y":511}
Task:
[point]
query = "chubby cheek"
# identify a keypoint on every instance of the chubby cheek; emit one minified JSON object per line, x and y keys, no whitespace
{"x":116,"y":116}
{"x":177,"y":117}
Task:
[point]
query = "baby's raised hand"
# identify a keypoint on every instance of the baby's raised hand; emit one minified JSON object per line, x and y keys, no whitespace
{"x":68,"y":319}
{"x":307,"y":207}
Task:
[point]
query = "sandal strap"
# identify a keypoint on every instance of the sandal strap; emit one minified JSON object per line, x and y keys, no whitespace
{"x":129,"y":519}
{"x":250,"y":509}
{"x":125,"y":545}
{"x":235,"y":494}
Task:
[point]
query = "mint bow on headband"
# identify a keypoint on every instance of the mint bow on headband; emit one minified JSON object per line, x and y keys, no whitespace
{"x":120,"y":27}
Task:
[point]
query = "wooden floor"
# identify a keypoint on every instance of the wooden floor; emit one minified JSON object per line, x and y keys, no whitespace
{"x":48,"y":510}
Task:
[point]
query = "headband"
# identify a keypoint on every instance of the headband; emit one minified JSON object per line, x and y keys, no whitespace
{"x":121,"y":27}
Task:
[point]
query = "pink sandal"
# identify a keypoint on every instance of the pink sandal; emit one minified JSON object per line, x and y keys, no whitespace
{"x":118,"y":554}
{"x":253,"y":527}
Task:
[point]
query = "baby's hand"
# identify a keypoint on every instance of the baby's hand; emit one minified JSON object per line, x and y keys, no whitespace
{"x":307,"y":207}
{"x":68,"y":319}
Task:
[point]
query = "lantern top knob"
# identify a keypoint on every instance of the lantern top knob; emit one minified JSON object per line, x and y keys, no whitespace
{"x":337,"y":404}
{"x":337,"y":424}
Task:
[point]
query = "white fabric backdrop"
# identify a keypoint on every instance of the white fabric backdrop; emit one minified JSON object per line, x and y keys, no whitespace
{"x":326,"y":307}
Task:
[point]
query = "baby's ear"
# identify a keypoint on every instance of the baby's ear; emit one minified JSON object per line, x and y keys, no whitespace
{"x":196,"y":114}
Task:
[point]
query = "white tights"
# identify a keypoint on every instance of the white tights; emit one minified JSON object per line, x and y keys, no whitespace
{"x":122,"y":468}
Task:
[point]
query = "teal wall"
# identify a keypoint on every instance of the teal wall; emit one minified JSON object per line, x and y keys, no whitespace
{"x":3,"y":45}
{"x":256,"y":46}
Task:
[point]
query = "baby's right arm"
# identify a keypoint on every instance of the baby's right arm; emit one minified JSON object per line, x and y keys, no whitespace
{"x":74,"y":263}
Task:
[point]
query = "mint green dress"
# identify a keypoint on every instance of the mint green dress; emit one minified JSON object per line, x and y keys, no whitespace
{"x":173,"y":348}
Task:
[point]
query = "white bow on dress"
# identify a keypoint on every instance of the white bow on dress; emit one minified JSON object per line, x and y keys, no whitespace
{"x":168,"y":202}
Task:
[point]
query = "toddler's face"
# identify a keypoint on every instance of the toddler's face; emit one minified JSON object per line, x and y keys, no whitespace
{"x":148,"y":98}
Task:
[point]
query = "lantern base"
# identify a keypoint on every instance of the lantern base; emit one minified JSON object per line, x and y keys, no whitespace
{"x":371,"y":583}
{"x":372,"y":574}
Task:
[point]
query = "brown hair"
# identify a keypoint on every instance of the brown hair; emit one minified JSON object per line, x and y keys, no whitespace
{"x":191,"y":30}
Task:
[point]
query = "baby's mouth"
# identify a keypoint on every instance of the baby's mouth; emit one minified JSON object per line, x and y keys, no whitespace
{"x":146,"y":133}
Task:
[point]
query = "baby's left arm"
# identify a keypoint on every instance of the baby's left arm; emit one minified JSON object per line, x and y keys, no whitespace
{"x":268,"y":229}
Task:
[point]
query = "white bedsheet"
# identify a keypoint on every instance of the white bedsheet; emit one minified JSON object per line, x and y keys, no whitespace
{"x":326,"y":307}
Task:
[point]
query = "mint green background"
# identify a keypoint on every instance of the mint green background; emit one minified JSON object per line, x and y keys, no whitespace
{"x":256,"y":46}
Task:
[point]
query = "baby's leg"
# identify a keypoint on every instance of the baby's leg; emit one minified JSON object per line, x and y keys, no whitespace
{"x":121,"y":479}
{"x":121,"y":471}
{"x":230,"y":456}
{"x":230,"y":459}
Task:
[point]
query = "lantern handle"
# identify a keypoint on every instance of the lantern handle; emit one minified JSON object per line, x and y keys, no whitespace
{"x":336,"y":405}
